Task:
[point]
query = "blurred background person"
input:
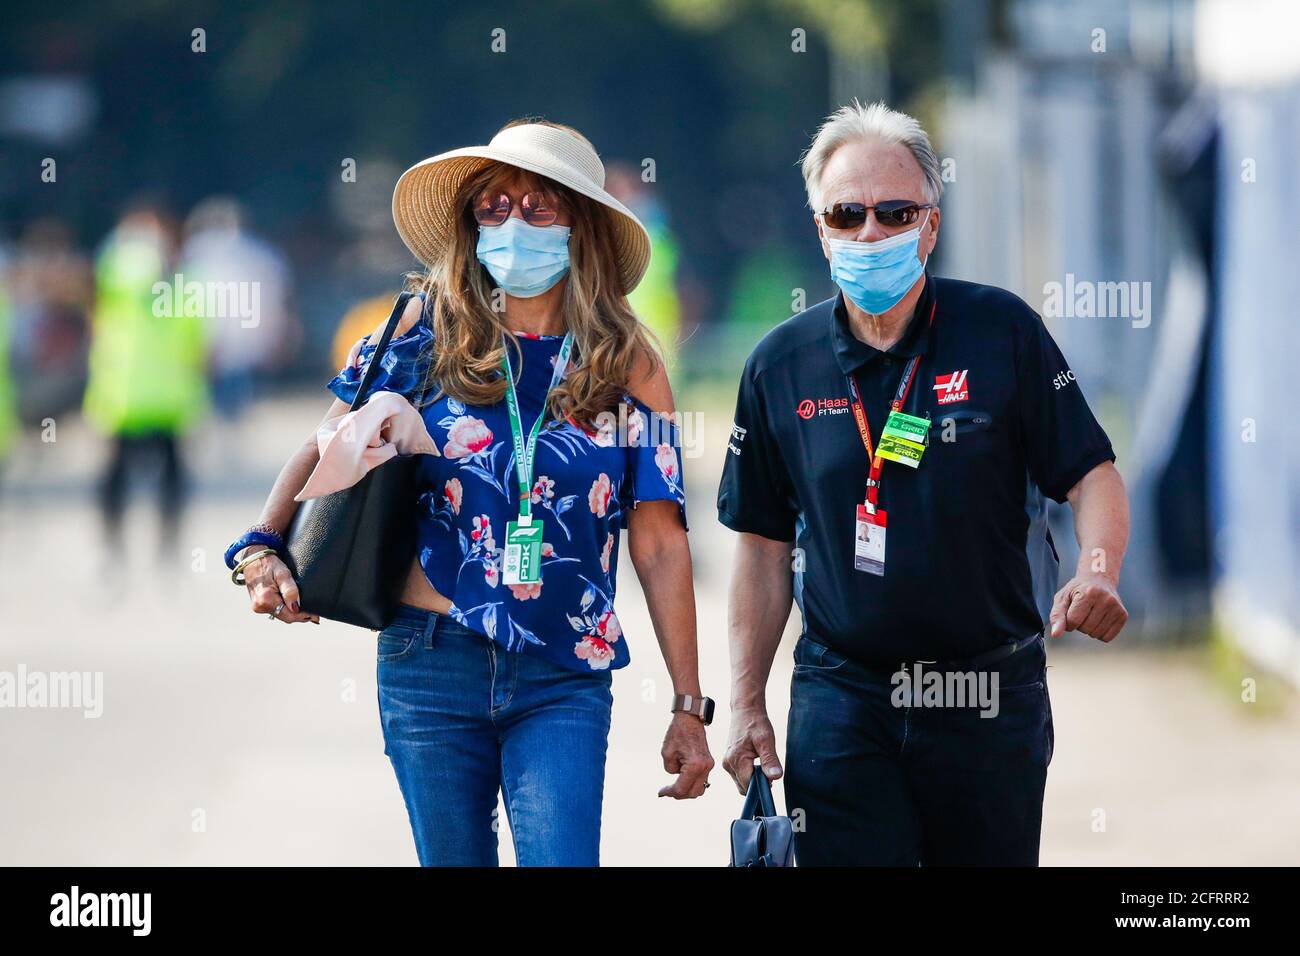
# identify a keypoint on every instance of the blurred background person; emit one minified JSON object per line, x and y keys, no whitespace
{"x":147,"y":383}
{"x":219,"y":248}
{"x":50,"y":286}
{"x":8,"y":401}
{"x":221,"y":252}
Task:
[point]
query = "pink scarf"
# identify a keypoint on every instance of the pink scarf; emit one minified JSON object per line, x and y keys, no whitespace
{"x":355,"y":442}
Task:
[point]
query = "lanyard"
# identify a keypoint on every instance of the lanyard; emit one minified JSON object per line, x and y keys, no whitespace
{"x":864,"y":428}
{"x":524,"y":451}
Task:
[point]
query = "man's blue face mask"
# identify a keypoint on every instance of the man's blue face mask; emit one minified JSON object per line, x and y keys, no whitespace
{"x":876,"y":275}
{"x":523,"y":259}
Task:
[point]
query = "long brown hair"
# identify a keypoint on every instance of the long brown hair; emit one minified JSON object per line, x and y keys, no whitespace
{"x":609,"y":340}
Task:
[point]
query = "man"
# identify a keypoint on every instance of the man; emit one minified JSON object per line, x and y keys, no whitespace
{"x":146,"y":385}
{"x":888,"y":467}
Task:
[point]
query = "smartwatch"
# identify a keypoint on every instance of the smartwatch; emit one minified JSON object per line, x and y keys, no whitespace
{"x":701,"y":707}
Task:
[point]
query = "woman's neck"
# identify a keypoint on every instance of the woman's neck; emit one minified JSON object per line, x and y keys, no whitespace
{"x":539,"y":315}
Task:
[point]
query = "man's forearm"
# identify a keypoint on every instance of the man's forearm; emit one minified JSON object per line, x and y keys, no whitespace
{"x":759,"y":605}
{"x":1101,"y":522}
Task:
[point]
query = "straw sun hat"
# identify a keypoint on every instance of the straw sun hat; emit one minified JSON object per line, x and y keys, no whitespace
{"x":422,"y":200}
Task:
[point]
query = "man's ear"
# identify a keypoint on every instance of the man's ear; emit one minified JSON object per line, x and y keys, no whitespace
{"x":932,"y":229}
{"x":821,"y":236}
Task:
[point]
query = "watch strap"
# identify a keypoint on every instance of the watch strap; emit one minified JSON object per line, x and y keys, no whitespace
{"x":701,"y":707}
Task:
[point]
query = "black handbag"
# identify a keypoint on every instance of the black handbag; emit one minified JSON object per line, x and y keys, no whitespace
{"x":351,"y":551}
{"x":760,"y":837}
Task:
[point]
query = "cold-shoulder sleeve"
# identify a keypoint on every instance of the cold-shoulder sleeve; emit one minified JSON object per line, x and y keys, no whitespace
{"x":403,"y":367}
{"x":654,"y":460}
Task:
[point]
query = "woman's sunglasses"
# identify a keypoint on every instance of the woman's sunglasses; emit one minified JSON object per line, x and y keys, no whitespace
{"x":537,"y":209}
{"x":891,"y":212}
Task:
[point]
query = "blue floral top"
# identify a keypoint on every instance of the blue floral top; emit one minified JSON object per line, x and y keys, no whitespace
{"x":584,"y":484}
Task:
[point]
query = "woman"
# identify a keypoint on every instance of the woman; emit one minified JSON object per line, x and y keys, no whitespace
{"x":496,"y":676}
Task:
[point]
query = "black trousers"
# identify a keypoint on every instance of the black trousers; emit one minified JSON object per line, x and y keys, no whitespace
{"x":130,"y":453}
{"x":880,"y":773}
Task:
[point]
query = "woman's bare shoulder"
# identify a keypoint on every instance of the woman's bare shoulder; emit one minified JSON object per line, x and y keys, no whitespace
{"x":649,"y":383}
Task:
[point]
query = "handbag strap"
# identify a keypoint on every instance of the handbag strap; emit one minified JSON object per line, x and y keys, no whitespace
{"x":372,"y":369}
{"x":758,"y":797}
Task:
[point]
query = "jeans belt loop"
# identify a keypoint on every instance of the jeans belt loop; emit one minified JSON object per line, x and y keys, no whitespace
{"x":430,"y":625}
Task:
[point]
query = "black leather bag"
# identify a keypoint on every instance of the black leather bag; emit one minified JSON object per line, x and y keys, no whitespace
{"x":350,"y":551}
{"x":760,"y":837}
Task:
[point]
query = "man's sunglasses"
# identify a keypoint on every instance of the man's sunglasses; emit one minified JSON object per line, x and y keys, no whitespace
{"x":537,"y":209}
{"x":891,"y":212}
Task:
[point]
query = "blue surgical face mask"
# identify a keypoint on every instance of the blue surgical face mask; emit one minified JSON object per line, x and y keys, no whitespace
{"x":524,"y":260}
{"x":876,"y":275}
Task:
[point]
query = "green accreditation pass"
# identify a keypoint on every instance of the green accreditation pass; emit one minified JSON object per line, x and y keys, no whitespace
{"x":904,"y":439}
{"x":521,"y":561}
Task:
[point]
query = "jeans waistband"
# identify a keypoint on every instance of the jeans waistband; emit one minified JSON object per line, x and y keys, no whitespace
{"x":999,"y":653}
{"x":428,"y":622}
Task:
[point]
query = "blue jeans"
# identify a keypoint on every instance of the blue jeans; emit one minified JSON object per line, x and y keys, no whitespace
{"x":887,"y":779}
{"x":464,"y":718}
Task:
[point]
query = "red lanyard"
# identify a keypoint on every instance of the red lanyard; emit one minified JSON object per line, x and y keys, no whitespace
{"x":864,"y":429}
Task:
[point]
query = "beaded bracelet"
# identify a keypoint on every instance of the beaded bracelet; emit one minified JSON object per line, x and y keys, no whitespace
{"x":262,"y":534}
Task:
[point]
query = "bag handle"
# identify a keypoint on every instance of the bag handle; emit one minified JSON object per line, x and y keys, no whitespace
{"x":372,"y":369}
{"x":759,"y":796}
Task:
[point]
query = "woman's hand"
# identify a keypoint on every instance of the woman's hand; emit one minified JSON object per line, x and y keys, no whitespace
{"x":686,"y":753}
{"x":270,"y":585}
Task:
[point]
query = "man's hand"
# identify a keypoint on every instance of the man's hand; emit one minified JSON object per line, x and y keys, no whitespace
{"x":751,"y":738}
{"x":1089,"y":603}
{"x":686,"y":753}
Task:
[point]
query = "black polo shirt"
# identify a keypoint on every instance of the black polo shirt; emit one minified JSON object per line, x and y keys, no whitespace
{"x":969,"y":562}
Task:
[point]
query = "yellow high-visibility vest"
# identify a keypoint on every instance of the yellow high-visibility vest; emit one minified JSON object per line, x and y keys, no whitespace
{"x":8,"y":396}
{"x":147,"y":370}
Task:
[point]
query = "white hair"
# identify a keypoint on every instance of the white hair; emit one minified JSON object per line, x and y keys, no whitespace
{"x":856,"y":123}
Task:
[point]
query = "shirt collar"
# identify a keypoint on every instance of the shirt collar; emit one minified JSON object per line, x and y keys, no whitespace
{"x":852,"y":353}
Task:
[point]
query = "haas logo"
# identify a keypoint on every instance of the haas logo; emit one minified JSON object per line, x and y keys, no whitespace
{"x":811,"y":408}
{"x":952,"y":387}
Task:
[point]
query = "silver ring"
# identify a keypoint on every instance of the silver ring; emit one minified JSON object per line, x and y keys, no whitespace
{"x":276,"y":613}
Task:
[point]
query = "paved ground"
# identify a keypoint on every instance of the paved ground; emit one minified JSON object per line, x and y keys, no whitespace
{"x":228,"y":739}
